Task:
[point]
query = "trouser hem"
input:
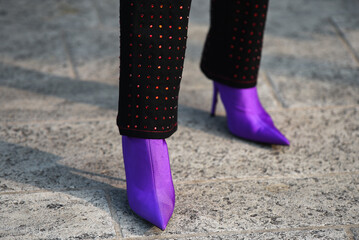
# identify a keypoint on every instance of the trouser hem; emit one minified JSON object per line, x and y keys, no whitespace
{"x":225,"y":80}
{"x":147,"y":134}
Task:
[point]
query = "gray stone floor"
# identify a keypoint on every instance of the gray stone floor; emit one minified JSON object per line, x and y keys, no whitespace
{"x":61,"y":166}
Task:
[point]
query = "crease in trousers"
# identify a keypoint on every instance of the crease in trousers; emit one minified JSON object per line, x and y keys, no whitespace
{"x":153,"y":40}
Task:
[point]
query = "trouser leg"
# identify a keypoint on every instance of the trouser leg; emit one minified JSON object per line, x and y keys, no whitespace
{"x":153,"y":36}
{"x":233,"y":46}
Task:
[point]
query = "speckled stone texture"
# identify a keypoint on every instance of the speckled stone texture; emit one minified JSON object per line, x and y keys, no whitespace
{"x":55,"y":215}
{"x":322,"y":141}
{"x":328,"y":234}
{"x":61,"y":168}
{"x":355,"y":232}
{"x":251,"y":205}
{"x":306,"y":60}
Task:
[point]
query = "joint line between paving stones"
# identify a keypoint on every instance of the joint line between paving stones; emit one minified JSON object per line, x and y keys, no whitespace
{"x":181,"y":182}
{"x":208,"y":234}
{"x":349,"y":233}
{"x":346,"y":42}
{"x":265,"y":77}
{"x":355,"y":185}
{"x":114,"y":218}
{"x":100,"y":20}
{"x":277,"y":95}
{"x":69,"y":56}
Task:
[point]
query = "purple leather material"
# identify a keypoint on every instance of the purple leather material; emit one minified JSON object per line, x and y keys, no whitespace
{"x":150,"y":190}
{"x":246,"y":117}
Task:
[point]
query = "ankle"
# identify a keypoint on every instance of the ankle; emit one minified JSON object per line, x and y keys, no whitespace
{"x":246,"y":99}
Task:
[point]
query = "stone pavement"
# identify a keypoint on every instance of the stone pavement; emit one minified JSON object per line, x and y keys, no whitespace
{"x":61,"y":166}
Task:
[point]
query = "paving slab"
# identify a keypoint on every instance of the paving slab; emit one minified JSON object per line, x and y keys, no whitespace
{"x":249,"y":205}
{"x":195,"y":42}
{"x":40,"y":15}
{"x":35,"y":65}
{"x":96,"y":138}
{"x":322,"y":141}
{"x":330,"y":234}
{"x":286,"y":18}
{"x":108,"y":11}
{"x":331,"y":86}
{"x":38,"y":62}
{"x":56,"y":215}
{"x":30,"y":169}
{"x":86,"y":92}
{"x":95,"y":54}
{"x":348,"y":26}
{"x":20,"y":105}
{"x":355,"y":233}
{"x":199,"y":13}
{"x":308,"y":63}
{"x":60,"y":155}
{"x":41,"y":51}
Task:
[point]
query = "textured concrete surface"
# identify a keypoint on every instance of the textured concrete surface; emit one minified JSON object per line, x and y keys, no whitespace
{"x":298,"y":235}
{"x":54,"y":215}
{"x":61,"y":168}
{"x":255,"y":204}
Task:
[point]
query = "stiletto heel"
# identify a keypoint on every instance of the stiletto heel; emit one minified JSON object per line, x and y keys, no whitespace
{"x":214,"y":100}
{"x":150,"y":190}
{"x":246,"y":118}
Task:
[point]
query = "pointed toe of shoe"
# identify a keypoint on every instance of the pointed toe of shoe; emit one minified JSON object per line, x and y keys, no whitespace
{"x":246,"y":117}
{"x":165,"y":219}
{"x":285,"y":141}
{"x":152,"y":211}
{"x":162,"y":226}
{"x":150,"y":189}
{"x":165,"y":211}
{"x":256,"y":129}
{"x":270,"y":134}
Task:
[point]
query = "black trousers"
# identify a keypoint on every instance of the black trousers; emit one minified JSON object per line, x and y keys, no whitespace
{"x":153,"y":38}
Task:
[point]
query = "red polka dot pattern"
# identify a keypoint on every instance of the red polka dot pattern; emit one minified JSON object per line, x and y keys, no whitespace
{"x":233,"y":46}
{"x":153,"y":36}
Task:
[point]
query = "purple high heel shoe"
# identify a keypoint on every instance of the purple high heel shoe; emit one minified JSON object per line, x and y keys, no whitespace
{"x":246,"y":118}
{"x":150,"y":190}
